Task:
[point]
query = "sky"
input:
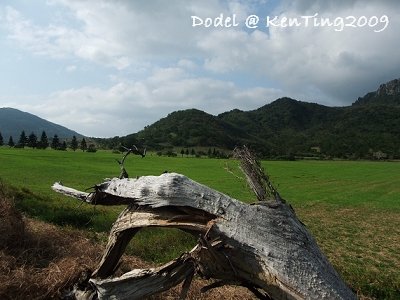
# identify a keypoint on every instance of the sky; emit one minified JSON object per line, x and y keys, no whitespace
{"x":108,"y":68}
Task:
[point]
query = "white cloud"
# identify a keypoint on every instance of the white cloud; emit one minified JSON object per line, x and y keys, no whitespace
{"x":186,"y":64}
{"x":71,"y":68}
{"x":61,"y":42}
{"x":128,"y":106}
{"x":127,"y":33}
{"x":156,"y":62}
{"x":116,"y":33}
{"x":338,"y":65}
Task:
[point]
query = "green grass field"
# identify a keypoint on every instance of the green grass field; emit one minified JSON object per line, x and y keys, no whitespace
{"x":351,"y":208}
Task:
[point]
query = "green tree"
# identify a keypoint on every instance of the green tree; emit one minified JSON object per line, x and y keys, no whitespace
{"x":1,"y":140}
{"x":193,"y":153}
{"x":44,"y":142}
{"x":74,"y":143}
{"x":32,"y":140}
{"x":83,"y":145}
{"x":187,"y":152}
{"x":11,"y":142}
{"x":22,"y":140}
{"x":63,"y":146}
{"x":55,"y":143}
{"x":182,"y":152}
{"x":91,"y":148}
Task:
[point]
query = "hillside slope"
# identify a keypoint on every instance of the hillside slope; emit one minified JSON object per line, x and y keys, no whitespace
{"x":13,"y":121}
{"x":191,"y":128}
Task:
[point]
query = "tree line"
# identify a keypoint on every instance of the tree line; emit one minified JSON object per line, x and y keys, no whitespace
{"x":43,"y":142}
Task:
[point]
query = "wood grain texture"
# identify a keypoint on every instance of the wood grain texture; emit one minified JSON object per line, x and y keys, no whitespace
{"x":263,"y":246}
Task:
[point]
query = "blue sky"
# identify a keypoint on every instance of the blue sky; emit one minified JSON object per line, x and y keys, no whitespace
{"x":106,"y":68}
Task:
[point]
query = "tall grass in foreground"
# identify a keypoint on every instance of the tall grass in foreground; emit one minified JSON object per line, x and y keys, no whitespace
{"x":351,"y":208}
{"x":42,"y":261}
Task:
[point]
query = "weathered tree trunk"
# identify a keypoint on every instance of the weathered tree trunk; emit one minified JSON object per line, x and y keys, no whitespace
{"x":262,"y":246}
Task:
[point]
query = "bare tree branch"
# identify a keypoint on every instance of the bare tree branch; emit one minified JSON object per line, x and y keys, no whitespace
{"x":134,"y":150}
{"x":257,"y":179}
{"x":262,"y":247}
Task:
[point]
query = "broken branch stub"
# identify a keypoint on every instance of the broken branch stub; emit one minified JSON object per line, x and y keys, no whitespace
{"x":263,"y":247}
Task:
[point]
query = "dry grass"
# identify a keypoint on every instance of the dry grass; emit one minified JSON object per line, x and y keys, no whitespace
{"x":38,"y":260}
{"x":362,"y":244}
{"x":12,"y":226}
{"x":41,"y":261}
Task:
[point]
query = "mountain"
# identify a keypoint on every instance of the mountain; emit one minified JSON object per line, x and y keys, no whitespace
{"x":387,"y":94}
{"x":287,"y":127}
{"x":284,"y":114}
{"x":191,"y":128}
{"x":14,"y":121}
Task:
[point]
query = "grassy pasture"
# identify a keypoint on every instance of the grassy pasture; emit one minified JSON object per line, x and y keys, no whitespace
{"x":351,"y":208}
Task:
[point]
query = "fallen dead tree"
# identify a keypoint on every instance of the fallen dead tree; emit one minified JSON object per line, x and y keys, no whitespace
{"x":263,"y":246}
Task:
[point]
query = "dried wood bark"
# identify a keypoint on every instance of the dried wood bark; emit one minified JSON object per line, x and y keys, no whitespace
{"x":263,"y":246}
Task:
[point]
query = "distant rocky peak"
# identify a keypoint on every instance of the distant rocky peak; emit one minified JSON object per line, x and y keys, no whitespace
{"x":391,"y":88}
{"x":387,"y":94}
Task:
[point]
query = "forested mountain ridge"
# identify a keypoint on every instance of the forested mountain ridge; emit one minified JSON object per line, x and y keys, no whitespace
{"x":14,"y":121}
{"x":287,"y":127}
{"x":192,"y":128}
{"x":368,"y":128}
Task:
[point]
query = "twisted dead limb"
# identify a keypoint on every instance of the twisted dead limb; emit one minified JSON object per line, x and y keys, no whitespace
{"x":134,"y":150}
{"x":263,"y":247}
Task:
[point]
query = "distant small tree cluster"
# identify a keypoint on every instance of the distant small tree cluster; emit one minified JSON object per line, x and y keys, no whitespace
{"x":215,"y":153}
{"x":32,"y":141}
{"x":186,"y":152}
{"x":91,"y":148}
{"x":56,"y":144}
{"x":183,"y":152}
{"x":212,"y":153}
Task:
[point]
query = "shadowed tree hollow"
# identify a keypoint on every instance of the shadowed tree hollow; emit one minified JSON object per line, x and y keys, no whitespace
{"x":262,"y":246}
